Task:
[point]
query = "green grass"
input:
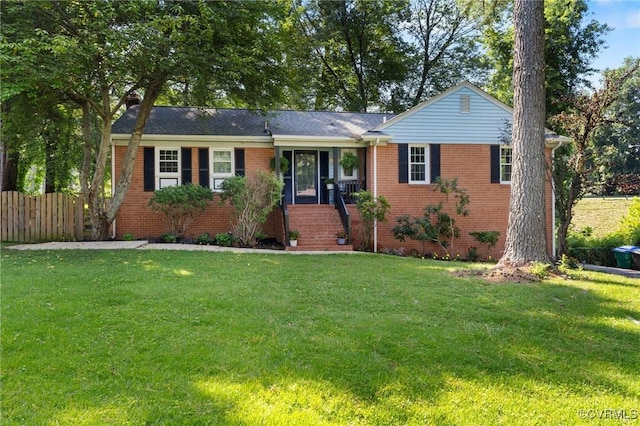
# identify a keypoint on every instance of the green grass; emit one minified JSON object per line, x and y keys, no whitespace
{"x":198,"y":338}
{"x":603,"y":215}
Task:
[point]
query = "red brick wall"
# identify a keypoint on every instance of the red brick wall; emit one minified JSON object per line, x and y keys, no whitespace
{"x":470,"y":164}
{"x":489,"y":203}
{"x":135,"y":217}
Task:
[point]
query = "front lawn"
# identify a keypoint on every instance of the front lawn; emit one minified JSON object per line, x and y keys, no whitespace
{"x":182,"y":338}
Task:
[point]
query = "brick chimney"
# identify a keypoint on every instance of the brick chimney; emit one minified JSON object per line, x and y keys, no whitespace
{"x":132,"y":99}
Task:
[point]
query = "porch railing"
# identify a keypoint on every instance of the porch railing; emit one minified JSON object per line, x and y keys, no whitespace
{"x":285,"y":219}
{"x":345,"y":218}
{"x":348,"y":188}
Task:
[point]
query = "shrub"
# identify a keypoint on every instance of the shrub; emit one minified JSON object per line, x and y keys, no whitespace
{"x":128,"y":237}
{"x":472,"y":254}
{"x":630,"y":224}
{"x":181,"y":206}
{"x":594,"y":250}
{"x":224,"y":239}
{"x":253,"y":200}
{"x":169,"y":238}
{"x":204,"y":239}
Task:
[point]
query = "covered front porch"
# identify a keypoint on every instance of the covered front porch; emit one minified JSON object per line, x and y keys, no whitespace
{"x":320,"y":175}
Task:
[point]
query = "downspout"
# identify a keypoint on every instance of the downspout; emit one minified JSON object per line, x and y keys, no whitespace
{"x":113,"y":184}
{"x":553,"y":203}
{"x":375,"y":192}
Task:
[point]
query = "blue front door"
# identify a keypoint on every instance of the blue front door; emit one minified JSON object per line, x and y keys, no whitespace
{"x":305,"y":181}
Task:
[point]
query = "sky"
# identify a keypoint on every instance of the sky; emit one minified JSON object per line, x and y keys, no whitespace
{"x":624,"y":40}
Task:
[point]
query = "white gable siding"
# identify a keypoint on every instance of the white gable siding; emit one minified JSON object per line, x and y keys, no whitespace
{"x":442,"y":121}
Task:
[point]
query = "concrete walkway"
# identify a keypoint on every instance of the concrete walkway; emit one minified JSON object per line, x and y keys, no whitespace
{"x":629,"y":273}
{"x":145,"y":245}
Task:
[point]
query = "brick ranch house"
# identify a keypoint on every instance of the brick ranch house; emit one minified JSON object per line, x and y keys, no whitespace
{"x":453,"y":135}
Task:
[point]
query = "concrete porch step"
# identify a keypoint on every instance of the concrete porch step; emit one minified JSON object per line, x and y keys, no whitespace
{"x":321,"y":247}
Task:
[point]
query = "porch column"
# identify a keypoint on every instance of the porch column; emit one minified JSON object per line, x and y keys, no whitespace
{"x":336,"y":158}
{"x":277,"y":166}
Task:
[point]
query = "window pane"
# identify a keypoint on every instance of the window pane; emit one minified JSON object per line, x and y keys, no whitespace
{"x":506,"y":157}
{"x":221,"y":167}
{"x":221,"y":156}
{"x":168,"y":161}
{"x":417,"y":164}
{"x":418,"y":172}
{"x":222,"y":162}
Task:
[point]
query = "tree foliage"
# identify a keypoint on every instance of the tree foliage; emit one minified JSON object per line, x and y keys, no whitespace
{"x":94,"y":53}
{"x":617,"y":144}
{"x":588,"y":114}
{"x":571,"y":44}
{"x":358,"y":48}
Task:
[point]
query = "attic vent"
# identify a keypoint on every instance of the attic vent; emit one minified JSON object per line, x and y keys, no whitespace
{"x":465,"y":104}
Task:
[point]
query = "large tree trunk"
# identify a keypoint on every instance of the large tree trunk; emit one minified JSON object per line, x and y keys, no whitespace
{"x":526,"y":230}
{"x":11,"y":160}
{"x":101,"y":212}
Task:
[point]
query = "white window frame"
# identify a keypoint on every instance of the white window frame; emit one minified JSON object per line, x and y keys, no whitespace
{"x":424,"y":163}
{"x":217,"y":178}
{"x":506,"y":164}
{"x":165,"y":179}
{"x":343,"y":174}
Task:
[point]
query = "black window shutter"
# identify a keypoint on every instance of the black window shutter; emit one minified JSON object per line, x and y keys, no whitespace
{"x":186,"y":165}
{"x":495,"y":163}
{"x":203,"y":167}
{"x":434,"y":161}
{"x":403,"y":163}
{"x":149,"y":167}
{"x":239,"y":159}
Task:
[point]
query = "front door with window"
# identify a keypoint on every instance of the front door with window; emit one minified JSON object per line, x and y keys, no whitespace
{"x":306,"y":177}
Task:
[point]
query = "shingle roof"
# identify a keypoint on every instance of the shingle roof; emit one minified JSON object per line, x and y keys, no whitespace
{"x":242,"y":122}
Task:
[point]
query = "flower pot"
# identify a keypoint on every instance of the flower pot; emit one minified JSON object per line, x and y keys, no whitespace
{"x":342,"y":241}
{"x":330,"y":186}
{"x":293,"y":243}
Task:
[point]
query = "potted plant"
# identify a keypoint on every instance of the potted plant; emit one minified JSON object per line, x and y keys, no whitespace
{"x":293,"y":237}
{"x":349,"y":161}
{"x":329,"y":182}
{"x":342,"y":237}
{"x":284,"y":165}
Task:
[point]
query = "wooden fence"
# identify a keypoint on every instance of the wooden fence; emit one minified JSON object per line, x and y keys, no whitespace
{"x":48,"y":217}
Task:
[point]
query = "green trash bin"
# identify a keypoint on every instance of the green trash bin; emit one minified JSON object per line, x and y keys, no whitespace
{"x":635,"y":255}
{"x":623,"y":256}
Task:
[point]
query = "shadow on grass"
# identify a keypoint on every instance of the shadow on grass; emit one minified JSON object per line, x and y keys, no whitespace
{"x":306,"y":340}
{"x":391,"y":365}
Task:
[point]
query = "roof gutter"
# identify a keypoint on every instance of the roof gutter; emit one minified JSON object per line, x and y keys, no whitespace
{"x":113,"y":185}
{"x":561,"y":142}
{"x":375,"y":192}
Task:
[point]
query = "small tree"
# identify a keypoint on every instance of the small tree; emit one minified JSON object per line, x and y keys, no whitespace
{"x":253,"y":200}
{"x":181,"y":206}
{"x":372,"y":209}
{"x":588,"y":114}
{"x":449,"y":187}
{"x":435,"y":225}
